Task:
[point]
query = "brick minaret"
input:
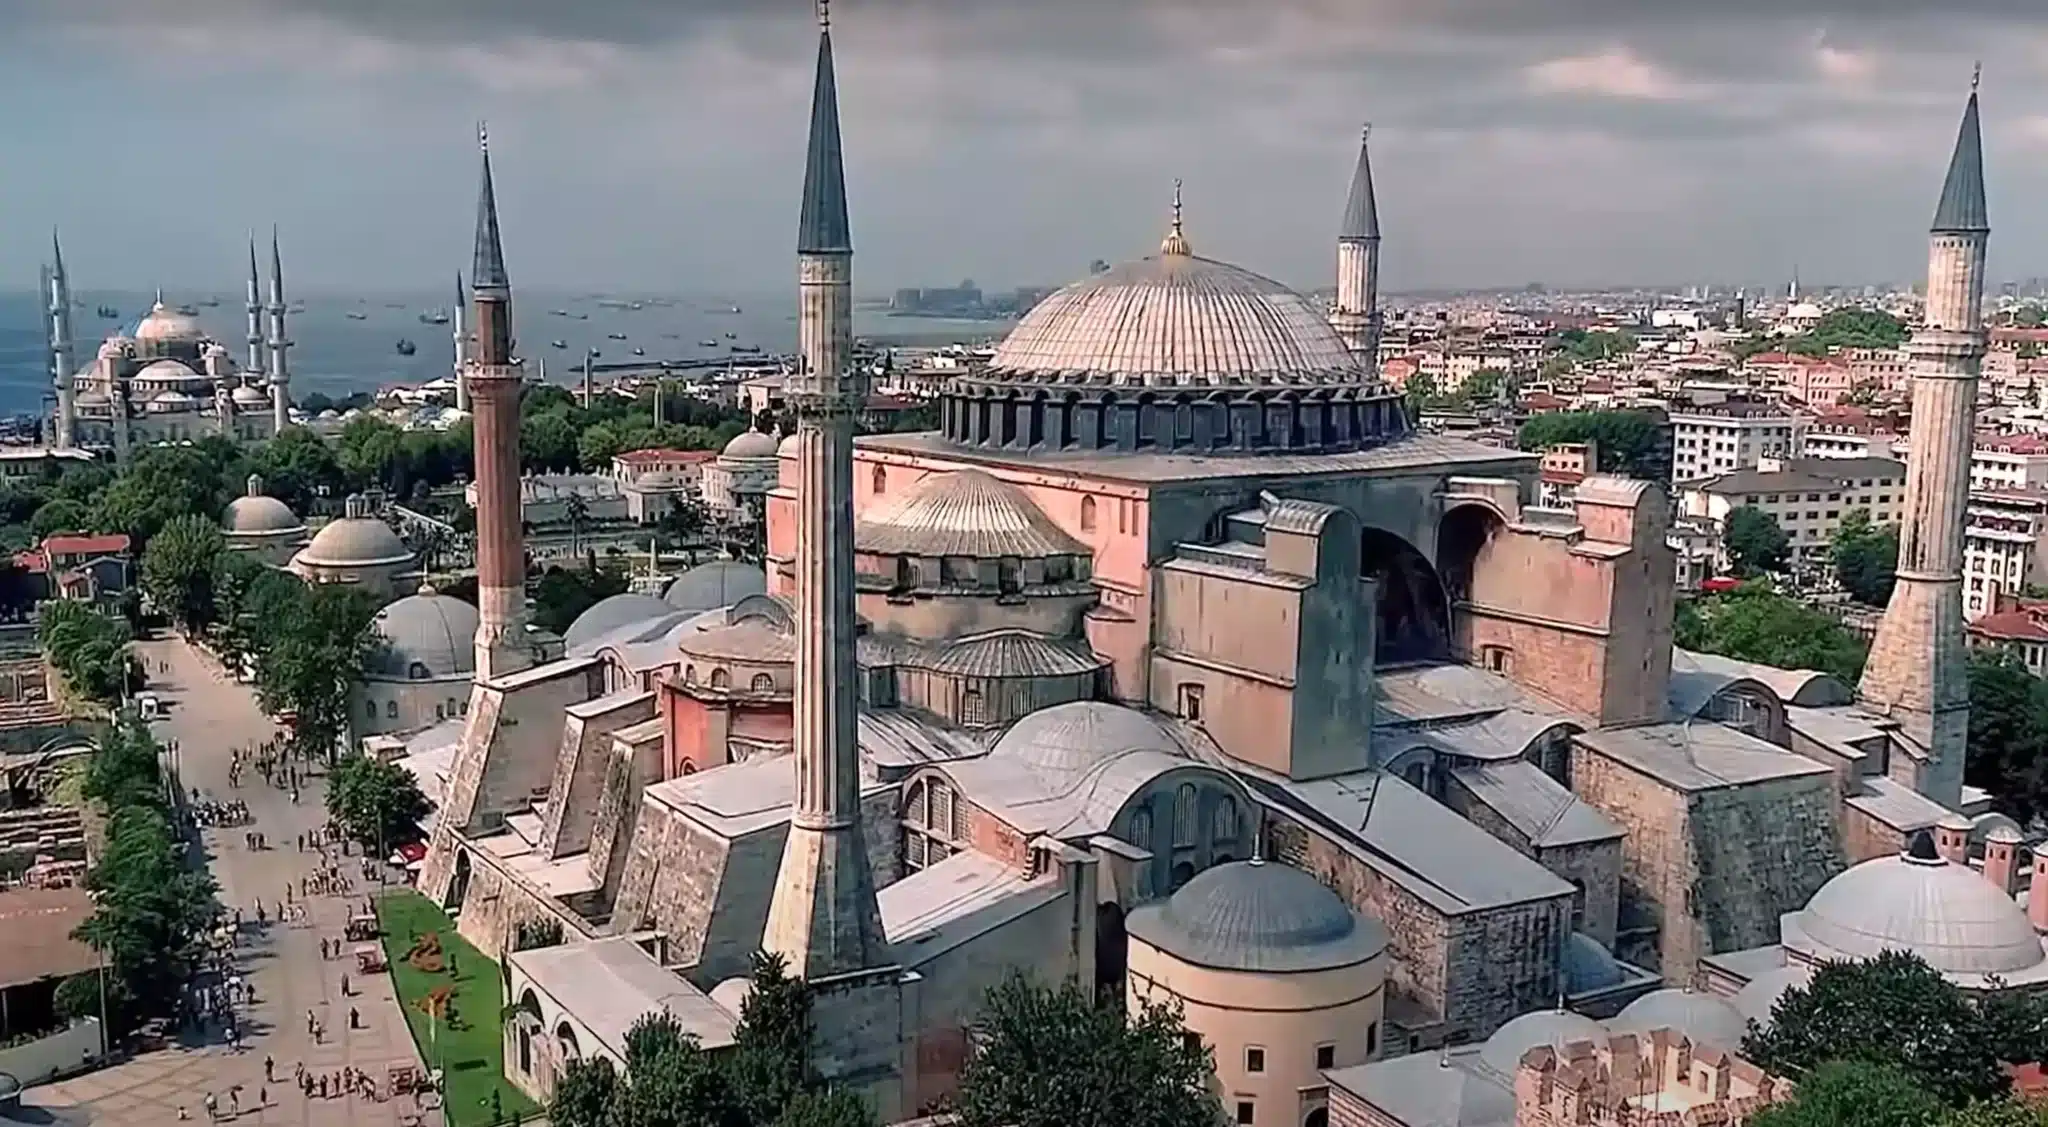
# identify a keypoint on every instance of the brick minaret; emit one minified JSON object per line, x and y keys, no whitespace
{"x":1357,"y":314}
{"x":494,"y":378}
{"x":280,"y":344}
{"x":63,"y":360}
{"x":823,"y":917}
{"x":1917,"y":671}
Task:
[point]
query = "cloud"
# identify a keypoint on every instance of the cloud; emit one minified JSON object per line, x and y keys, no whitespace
{"x":1616,"y":72}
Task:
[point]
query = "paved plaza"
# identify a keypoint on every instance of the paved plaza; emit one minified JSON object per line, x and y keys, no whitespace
{"x":210,"y":716}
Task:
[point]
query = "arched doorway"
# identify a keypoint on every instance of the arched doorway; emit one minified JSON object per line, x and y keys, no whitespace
{"x":1112,"y":952}
{"x":458,"y":887}
{"x":1414,"y":621}
{"x":1460,"y":538}
{"x":565,"y":1040}
{"x":1320,"y":1117}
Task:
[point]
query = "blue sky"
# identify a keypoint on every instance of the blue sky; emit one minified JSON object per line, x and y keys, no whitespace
{"x":655,"y":144}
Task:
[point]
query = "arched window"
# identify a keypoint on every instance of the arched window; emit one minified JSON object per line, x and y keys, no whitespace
{"x":972,"y":708}
{"x":763,"y":683}
{"x":1087,"y":514}
{"x":720,"y":679}
{"x":391,"y":710}
{"x":417,"y":671}
{"x":906,"y":573}
{"x":370,"y":707}
{"x":1141,"y":827}
{"x":689,"y":768}
{"x":881,"y":481}
{"x":1186,"y":808}
{"x":930,"y":824}
{"x":1226,"y":821}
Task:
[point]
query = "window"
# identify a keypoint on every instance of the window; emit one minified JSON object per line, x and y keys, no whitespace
{"x":370,"y":707}
{"x":1372,"y":1038}
{"x":1226,"y":820}
{"x":763,"y":683}
{"x":720,"y":679}
{"x":1186,"y":803}
{"x":1192,"y":1041}
{"x":1255,"y":1059}
{"x":440,"y":711}
{"x":881,"y":481}
{"x":1087,"y":514}
{"x":417,"y":671}
{"x":1244,"y":1113}
{"x":391,"y":710}
{"x":1326,"y":1056}
{"x":1191,"y":702}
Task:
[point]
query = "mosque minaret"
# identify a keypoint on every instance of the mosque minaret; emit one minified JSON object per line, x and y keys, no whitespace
{"x":63,"y":356}
{"x":823,"y":917}
{"x":280,"y":344}
{"x":461,"y":345}
{"x":1918,"y":664}
{"x":1357,"y":313}
{"x":253,"y":305}
{"x":494,"y":379}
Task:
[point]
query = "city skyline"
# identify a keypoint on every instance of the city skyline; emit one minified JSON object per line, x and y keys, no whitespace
{"x":1569,"y":142}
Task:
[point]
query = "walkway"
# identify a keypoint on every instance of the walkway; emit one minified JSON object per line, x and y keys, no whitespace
{"x":210,"y":716}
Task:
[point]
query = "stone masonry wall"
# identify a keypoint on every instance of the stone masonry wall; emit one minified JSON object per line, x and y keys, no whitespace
{"x":1656,"y":859}
{"x":1595,"y":867}
{"x":1501,"y":963}
{"x":573,"y":792}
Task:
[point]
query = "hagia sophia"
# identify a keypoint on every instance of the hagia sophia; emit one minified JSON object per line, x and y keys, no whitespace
{"x":1176,"y":661}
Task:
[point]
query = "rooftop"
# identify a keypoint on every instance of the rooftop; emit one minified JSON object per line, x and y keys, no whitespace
{"x":608,"y":984}
{"x":1409,"y":452}
{"x":38,"y":923}
{"x":1699,"y":756}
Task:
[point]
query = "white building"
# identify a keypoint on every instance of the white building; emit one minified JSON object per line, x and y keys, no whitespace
{"x":544,"y":498}
{"x":2005,"y":547}
{"x":1807,"y":497}
{"x":2009,"y":462}
{"x":1730,"y":437}
{"x":745,"y":473}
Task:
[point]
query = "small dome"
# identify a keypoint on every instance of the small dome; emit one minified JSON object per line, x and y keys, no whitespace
{"x":246,"y":396}
{"x":1943,"y":912}
{"x":1756,"y":1000}
{"x":1588,"y":966}
{"x":436,"y":632}
{"x":1258,"y":916}
{"x":166,"y":325}
{"x":608,"y":614}
{"x":167,"y":372}
{"x":257,"y":514}
{"x":113,"y":348}
{"x":1704,"y":1018}
{"x":720,"y":583}
{"x":361,"y":541}
{"x":1080,"y":734}
{"x":786,"y":448}
{"x":171,"y":400}
{"x":751,"y":444}
{"x":1556,"y":1028}
{"x":969,"y":514}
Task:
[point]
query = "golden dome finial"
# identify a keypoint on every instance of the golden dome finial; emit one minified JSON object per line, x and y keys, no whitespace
{"x":1175,"y":243}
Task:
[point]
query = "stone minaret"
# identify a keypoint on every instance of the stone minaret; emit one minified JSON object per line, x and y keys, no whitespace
{"x":280,"y":368}
{"x":494,"y":378}
{"x":63,"y":358}
{"x":1917,"y":672}
{"x":822,"y":917}
{"x":461,"y":345}
{"x":1357,"y":315}
{"x":253,"y":305}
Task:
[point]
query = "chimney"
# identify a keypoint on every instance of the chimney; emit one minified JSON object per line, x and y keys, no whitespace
{"x":2002,"y":858}
{"x":1952,"y":839}
{"x":2037,"y":889}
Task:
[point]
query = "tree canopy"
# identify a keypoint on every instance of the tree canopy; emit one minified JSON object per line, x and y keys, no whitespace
{"x":1755,"y":623}
{"x":179,"y":567}
{"x":1865,"y":556}
{"x":1850,"y":327}
{"x":311,"y":652}
{"x":564,"y":593}
{"x":2008,"y":746}
{"x":1841,"y":1093}
{"x":1755,"y":543}
{"x":88,"y":648}
{"x":1628,"y":442}
{"x":377,"y":802}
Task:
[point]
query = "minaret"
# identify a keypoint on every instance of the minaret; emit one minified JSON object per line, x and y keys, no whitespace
{"x":254,"y":307}
{"x":280,"y":369}
{"x":823,"y":918}
{"x":494,"y":378}
{"x":461,"y":345}
{"x":1917,"y":671}
{"x":63,"y":360}
{"x":1357,"y":315}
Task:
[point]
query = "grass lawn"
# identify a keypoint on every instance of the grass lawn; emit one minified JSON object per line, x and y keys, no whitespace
{"x":472,"y":1052}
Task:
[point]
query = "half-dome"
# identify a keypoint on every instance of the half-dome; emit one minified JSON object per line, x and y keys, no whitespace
{"x":719,"y":583}
{"x":1077,"y":736}
{"x":609,"y":614}
{"x":1555,"y":1028}
{"x":426,"y":635}
{"x":1946,"y":913}
{"x":1759,"y":997}
{"x":1258,"y":916}
{"x":1587,"y":965}
{"x":1703,"y":1018}
{"x":965,"y":514}
{"x":258,"y":515}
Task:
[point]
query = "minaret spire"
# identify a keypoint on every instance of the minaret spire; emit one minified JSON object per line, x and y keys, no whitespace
{"x":487,"y":272}
{"x":461,"y":344}
{"x":822,"y":917}
{"x":280,"y":343}
{"x":493,"y":394}
{"x":1356,"y":316}
{"x":254,"y":307}
{"x":63,"y":360}
{"x":1918,"y":670}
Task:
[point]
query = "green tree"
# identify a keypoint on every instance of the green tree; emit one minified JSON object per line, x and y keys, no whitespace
{"x":60,"y":514}
{"x":547,"y":442}
{"x":372,"y":453}
{"x":1997,"y":1113}
{"x":179,"y":568}
{"x":1482,"y":386}
{"x":1893,"y":1011}
{"x":1865,"y":557}
{"x":1841,"y":1093}
{"x":161,"y":484}
{"x":565,"y":593}
{"x":310,"y":660}
{"x":89,"y":649}
{"x":1628,"y":442}
{"x":2008,"y":745}
{"x":1052,"y":1057}
{"x":578,"y":511}
{"x":1755,"y":623}
{"x":1850,"y":328}
{"x":1754,"y":542}
{"x":375,"y":801}
{"x":298,"y":467}
{"x":1421,"y":392}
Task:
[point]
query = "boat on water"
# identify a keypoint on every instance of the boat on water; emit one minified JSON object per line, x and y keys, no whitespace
{"x":707,"y":344}
{"x":559,"y":343}
{"x":616,"y":336}
{"x":726,"y":309}
{"x":747,"y":349}
{"x":356,"y":315}
{"x":434,"y":317}
{"x":558,"y":313}
{"x":189,"y":310}
{"x":109,"y":313}
{"x":639,"y":352}
{"x":406,"y":347}
{"x":211,"y":303}
{"x":732,"y":336}
{"x":394,"y":305}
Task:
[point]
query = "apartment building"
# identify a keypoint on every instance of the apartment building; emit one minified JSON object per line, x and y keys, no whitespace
{"x":1562,"y":468}
{"x":1732,"y":436}
{"x":2005,"y":547}
{"x":2009,"y":463}
{"x":1808,"y":497}
{"x":2020,"y":625}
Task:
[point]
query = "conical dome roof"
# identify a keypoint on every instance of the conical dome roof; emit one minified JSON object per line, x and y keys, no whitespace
{"x":968,"y":514}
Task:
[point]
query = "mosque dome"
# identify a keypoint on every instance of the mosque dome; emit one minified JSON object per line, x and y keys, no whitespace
{"x":1703,"y":1018}
{"x":246,"y":396}
{"x":752,"y":444}
{"x":1589,"y":966}
{"x":434,"y":632}
{"x":965,"y":514}
{"x":1076,"y":736}
{"x":1258,"y":916}
{"x":356,"y":540}
{"x":786,"y":448}
{"x":608,"y":614}
{"x":1918,"y":902}
{"x":1759,"y":997}
{"x":167,"y":372}
{"x":164,"y":325}
{"x":255,"y":514}
{"x":1503,"y":1051}
{"x":719,"y":583}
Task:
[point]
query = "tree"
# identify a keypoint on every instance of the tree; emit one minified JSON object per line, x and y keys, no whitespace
{"x":563,"y":594}
{"x":179,"y":567}
{"x":1628,"y":442}
{"x":1754,"y":542}
{"x":1997,"y":1113}
{"x":297,"y":467}
{"x":372,"y":453}
{"x":161,"y":484}
{"x":547,"y":441}
{"x":1421,"y":391}
{"x":1052,"y":1057}
{"x":1755,"y":623}
{"x":1865,"y":556}
{"x":578,"y":511}
{"x":310,"y":660}
{"x":18,"y":591}
{"x":1482,"y":386}
{"x":1854,"y":1092}
{"x":2008,"y":745}
{"x":375,"y":801}
{"x":89,"y":649}
{"x":683,"y":523}
{"x":60,"y":514}
{"x":1850,"y":328}
{"x":1893,"y":1011}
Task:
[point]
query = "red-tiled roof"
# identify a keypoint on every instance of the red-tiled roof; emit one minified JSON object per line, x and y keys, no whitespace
{"x":37,"y":923}
{"x":2013,"y":443}
{"x":2011,"y":626}
{"x":103,"y":545}
{"x":31,"y":562}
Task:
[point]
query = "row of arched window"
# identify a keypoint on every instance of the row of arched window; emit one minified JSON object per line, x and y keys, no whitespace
{"x":721,"y":678}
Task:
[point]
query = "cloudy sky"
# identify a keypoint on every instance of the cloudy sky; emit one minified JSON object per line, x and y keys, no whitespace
{"x":656,"y":144}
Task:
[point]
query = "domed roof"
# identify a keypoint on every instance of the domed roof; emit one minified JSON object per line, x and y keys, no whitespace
{"x":1943,"y":912}
{"x":1176,"y":320}
{"x":751,"y":444}
{"x":256,"y":514}
{"x":1588,"y":966}
{"x":1503,"y":1051}
{"x":1078,"y":735}
{"x":355,"y":541}
{"x":251,"y":397}
{"x":786,"y":448}
{"x":719,"y":583}
{"x":428,"y":629}
{"x":1756,"y":1000}
{"x":1258,"y":916}
{"x":608,"y":614}
{"x":164,"y":324}
{"x":1703,"y":1018}
{"x":167,"y":371}
{"x":965,"y":513}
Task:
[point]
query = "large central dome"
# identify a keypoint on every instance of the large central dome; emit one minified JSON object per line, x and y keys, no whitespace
{"x":1176,"y":320}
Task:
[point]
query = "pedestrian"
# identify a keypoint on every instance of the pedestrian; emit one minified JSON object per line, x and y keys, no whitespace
{"x":354,"y":1021}
{"x":269,"y":1067}
{"x":182,"y":1113}
{"x":309,"y":1021}
{"x":212,"y":1108}
{"x":344,"y":984}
